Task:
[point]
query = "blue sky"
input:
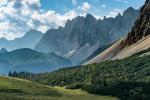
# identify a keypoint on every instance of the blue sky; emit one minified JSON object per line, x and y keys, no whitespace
{"x":98,"y":7}
{"x":19,"y":16}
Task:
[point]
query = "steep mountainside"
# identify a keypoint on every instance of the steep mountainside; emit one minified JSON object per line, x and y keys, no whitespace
{"x":32,"y":61}
{"x":29,"y":40}
{"x":86,"y":34}
{"x":137,"y":40}
{"x":142,"y":26}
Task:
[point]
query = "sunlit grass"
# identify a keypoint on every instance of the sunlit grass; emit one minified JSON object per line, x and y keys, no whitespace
{"x":19,"y":89}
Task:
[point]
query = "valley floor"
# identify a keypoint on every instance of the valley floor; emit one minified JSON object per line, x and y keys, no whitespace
{"x":18,"y":89}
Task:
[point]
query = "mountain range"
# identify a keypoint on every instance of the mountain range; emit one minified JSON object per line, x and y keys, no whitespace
{"x":137,"y":40}
{"x":29,"y":40}
{"x":80,"y":40}
{"x":31,"y":61}
{"x":82,"y":36}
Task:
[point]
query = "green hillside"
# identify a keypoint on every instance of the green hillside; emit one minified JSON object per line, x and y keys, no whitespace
{"x":12,"y":88}
{"x":127,"y":79}
{"x":18,"y":89}
{"x":29,"y":60}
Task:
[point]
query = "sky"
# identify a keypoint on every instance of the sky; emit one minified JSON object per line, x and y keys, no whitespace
{"x":19,"y":16}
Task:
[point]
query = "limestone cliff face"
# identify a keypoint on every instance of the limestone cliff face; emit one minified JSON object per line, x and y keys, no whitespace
{"x":82,"y":36}
{"x":142,"y":26}
{"x":136,"y":41}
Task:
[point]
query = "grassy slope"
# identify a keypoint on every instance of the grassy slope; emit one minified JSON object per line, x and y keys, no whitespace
{"x":12,"y":89}
{"x":16,"y":88}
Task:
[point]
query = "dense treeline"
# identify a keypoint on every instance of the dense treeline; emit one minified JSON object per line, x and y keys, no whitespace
{"x":128,"y":79}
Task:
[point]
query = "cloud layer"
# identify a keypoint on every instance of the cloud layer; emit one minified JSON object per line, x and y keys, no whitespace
{"x":19,"y":16}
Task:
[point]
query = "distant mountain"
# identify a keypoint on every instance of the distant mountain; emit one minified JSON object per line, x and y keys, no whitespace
{"x":3,"y":50}
{"x":138,"y":40}
{"x":29,"y":40}
{"x":32,"y":61}
{"x":82,"y":36}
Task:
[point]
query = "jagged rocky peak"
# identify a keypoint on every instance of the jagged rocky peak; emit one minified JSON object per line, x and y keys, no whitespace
{"x":81,"y":18}
{"x":76,"y":20}
{"x":3,"y":50}
{"x":68,"y":23}
{"x":130,"y":10}
{"x":147,"y":1}
{"x":90,"y":17}
{"x":118,"y":16}
{"x":141,"y":27}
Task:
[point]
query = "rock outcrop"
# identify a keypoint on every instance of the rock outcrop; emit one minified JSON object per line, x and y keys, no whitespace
{"x":142,"y":26}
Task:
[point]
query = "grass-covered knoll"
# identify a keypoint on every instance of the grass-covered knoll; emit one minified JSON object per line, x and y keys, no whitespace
{"x":18,"y":89}
{"x":15,"y":88}
{"x":128,"y":79}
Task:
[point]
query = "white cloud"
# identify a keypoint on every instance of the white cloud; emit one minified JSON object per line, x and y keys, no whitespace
{"x":103,"y":6}
{"x":85,"y":7}
{"x":114,"y":12}
{"x":19,"y":16}
{"x":98,"y":17}
{"x":52,"y":19}
{"x":74,"y":2}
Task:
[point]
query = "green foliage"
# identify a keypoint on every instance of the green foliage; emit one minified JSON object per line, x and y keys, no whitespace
{"x":128,"y":79}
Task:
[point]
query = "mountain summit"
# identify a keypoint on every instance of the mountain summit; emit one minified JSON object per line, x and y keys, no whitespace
{"x":3,"y":50}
